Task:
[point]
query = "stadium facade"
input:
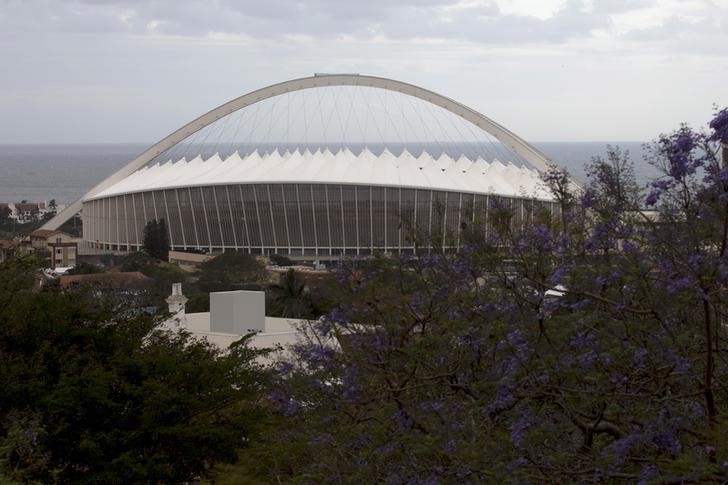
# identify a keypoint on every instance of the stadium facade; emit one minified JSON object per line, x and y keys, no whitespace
{"x":313,"y":202}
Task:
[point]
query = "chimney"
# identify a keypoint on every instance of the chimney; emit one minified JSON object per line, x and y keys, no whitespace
{"x":176,"y":300}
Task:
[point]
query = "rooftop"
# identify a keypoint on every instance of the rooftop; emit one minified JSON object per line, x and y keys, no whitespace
{"x":342,"y":167}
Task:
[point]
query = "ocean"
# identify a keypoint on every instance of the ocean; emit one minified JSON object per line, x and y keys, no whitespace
{"x":66,"y":172}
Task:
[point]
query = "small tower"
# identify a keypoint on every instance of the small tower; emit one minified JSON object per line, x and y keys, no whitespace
{"x":176,"y":300}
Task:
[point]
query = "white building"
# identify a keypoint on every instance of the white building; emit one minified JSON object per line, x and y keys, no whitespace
{"x":232,"y":315}
{"x":322,"y":167}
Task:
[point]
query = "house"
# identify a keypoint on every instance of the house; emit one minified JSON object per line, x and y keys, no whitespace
{"x":7,"y":249}
{"x":63,"y":254}
{"x":232,"y":315}
{"x":29,"y":211}
{"x":40,"y":239}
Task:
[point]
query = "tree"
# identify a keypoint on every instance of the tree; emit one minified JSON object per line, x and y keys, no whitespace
{"x":156,"y":239}
{"x":4,"y":215}
{"x":91,"y":394}
{"x":280,"y":260}
{"x":290,"y":298}
{"x":84,"y":268}
{"x":586,"y":347}
{"x":231,"y":270}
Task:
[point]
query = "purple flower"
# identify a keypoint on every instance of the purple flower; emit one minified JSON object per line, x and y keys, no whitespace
{"x":315,"y":355}
{"x":722,"y":175}
{"x":587,"y":199}
{"x":684,"y":143}
{"x":588,"y":359}
{"x":541,"y":238}
{"x":640,"y":355}
{"x":284,"y":367}
{"x":503,"y":399}
{"x":423,"y":481}
{"x":403,"y":420}
{"x":519,"y":428}
{"x":694,"y":261}
{"x":682,"y":364}
{"x":350,"y":383}
{"x":676,"y":285}
{"x":580,"y":304}
{"x":696,"y":408}
{"x":322,"y":439}
{"x":340,"y":315}
{"x":652,"y":198}
{"x":450,"y":446}
{"x":583,"y":339}
{"x":559,"y":274}
{"x":678,"y":148}
{"x":719,"y":125}
{"x":662,"y":185}
{"x":648,"y":473}
{"x":668,"y":441}
{"x":623,"y":446}
{"x":284,"y":403}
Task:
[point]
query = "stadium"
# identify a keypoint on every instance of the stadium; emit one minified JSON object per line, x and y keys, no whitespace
{"x":320,"y":167}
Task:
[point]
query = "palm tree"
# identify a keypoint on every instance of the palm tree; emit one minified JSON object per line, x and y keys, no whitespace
{"x":290,"y":295}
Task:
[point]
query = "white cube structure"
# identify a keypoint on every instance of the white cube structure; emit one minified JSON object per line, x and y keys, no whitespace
{"x":237,"y":312}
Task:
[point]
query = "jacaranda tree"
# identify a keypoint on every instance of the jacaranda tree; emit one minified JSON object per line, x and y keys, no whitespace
{"x":586,"y":346}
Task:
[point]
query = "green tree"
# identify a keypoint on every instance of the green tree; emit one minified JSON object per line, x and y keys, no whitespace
{"x":231,"y":270}
{"x":290,"y":298}
{"x":4,"y":215}
{"x":156,"y":239}
{"x":280,"y":260}
{"x":84,"y":268}
{"x":91,"y":394}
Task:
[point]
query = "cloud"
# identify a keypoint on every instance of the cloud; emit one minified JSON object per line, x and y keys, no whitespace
{"x":86,"y":69}
{"x":273,"y":19}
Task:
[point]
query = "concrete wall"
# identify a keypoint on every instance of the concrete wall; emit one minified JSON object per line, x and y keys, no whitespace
{"x":237,"y":312}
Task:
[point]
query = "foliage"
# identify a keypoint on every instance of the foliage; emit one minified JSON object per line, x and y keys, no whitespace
{"x":588,"y":347}
{"x":156,"y":239}
{"x":91,"y":395}
{"x":73,"y":226}
{"x":280,"y":260}
{"x":137,"y":261}
{"x":84,"y":268}
{"x":290,"y":298}
{"x":4,"y":215}
{"x":230,"y":270}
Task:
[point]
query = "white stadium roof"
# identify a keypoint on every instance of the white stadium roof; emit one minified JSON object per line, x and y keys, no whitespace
{"x":342,"y":167}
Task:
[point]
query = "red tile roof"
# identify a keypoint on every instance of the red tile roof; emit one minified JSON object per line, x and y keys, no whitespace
{"x":44,"y":233}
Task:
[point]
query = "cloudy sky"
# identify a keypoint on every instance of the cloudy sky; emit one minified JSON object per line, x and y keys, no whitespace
{"x":550,"y":70}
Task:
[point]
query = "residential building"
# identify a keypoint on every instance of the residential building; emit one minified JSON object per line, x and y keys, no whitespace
{"x":41,"y":238}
